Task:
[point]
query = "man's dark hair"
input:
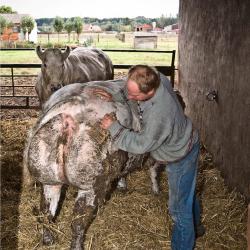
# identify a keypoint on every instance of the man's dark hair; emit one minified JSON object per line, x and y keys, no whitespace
{"x":145,"y":76}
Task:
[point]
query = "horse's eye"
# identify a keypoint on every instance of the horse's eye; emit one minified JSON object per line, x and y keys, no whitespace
{"x":45,"y":65}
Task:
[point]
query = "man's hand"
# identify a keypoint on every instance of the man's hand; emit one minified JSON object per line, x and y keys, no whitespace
{"x":107,"y":120}
{"x":103,"y":94}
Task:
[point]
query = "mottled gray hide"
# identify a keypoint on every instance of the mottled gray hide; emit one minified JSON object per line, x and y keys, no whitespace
{"x":67,"y":146}
{"x":62,"y":68}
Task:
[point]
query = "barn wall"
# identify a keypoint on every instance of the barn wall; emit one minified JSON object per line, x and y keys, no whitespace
{"x":214,"y":54}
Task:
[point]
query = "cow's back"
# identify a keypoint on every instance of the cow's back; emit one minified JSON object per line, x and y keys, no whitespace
{"x":85,"y":65}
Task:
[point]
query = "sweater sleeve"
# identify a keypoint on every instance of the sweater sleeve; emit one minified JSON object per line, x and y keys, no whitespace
{"x":156,"y":129}
{"x":120,"y":96}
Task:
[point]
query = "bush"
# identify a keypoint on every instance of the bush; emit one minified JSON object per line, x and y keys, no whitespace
{"x":50,"y":45}
{"x":47,"y":45}
{"x":59,"y":45}
{"x":24,"y":44}
{"x":88,"y":41}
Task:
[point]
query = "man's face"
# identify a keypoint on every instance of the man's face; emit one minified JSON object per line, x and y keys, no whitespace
{"x":135,"y":94}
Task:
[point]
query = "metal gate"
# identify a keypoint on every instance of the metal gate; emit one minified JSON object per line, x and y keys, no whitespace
{"x":17,"y":101}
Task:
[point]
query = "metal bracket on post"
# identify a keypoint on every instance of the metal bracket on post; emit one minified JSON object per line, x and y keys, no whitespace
{"x":212,"y":95}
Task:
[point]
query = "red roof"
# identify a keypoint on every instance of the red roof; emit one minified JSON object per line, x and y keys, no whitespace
{"x":146,"y":26}
{"x":157,"y":29}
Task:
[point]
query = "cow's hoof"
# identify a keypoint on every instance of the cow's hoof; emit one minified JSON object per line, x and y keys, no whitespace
{"x":77,"y":235}
{"x":77,"y":243}
{"x":122,"y":185}
{"x":48,"y":238}
{"x":155,"y":191}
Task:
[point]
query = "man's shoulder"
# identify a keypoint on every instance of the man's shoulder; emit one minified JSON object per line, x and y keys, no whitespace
{"x":165,"y":81}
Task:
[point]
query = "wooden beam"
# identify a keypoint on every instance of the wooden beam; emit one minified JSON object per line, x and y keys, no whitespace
{"x":248,"y":227}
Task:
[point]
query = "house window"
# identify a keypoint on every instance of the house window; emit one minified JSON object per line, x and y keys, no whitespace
{"x":16,"y":29}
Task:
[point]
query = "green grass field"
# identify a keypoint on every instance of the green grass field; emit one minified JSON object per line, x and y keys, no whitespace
{"x":105,"y":41}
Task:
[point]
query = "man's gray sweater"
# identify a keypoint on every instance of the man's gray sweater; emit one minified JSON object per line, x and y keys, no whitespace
{"x":166,"y":132}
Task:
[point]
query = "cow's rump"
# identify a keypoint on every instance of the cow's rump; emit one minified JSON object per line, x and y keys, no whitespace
{"x":67,"y":141}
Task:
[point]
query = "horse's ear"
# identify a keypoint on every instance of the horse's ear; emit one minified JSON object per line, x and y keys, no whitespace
{"x":65,"y":54}
{"x":39,"y":52}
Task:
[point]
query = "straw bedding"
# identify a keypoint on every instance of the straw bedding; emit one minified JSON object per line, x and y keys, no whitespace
{"x":135,"y":219}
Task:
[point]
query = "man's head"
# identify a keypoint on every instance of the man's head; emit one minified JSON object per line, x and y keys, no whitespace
{"x":142,"y":82}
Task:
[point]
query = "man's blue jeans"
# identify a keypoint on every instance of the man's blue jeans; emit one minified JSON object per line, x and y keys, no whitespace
{"x":184,"y":207}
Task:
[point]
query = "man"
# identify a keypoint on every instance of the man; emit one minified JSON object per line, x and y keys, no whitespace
{"x":170,"y":138}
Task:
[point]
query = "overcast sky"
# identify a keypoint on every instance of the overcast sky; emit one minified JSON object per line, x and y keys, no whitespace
{"x":94,"y":8}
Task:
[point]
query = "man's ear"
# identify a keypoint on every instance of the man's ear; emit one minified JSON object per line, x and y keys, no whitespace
{"x":151,"y":92}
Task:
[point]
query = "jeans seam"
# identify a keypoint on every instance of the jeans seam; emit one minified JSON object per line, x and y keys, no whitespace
{"x":182,"y":236}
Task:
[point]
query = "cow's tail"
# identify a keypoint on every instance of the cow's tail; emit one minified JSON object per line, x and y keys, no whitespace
{"x":27,"y":179}
{"x":109,"y":67}
{"x":112,"y":71}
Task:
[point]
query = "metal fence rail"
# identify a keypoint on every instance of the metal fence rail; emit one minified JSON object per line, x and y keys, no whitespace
{"x":26,"y":99}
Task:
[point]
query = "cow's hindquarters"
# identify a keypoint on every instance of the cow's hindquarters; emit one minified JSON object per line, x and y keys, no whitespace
{"x":47,"y":150}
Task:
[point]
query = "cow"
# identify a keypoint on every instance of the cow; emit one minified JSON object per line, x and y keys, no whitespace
{"x":62,"y":68}
{"x":67,"y":146}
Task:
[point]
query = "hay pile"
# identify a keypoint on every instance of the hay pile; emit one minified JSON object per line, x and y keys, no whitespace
{"x":132,"y":220}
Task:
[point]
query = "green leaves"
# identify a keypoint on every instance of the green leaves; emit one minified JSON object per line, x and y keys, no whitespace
{"x":58,"y":24}
{"x":6,"y":10}
{"x":3,"y":24}
{"x":27,"y":24}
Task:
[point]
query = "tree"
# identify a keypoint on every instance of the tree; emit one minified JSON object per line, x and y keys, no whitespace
{"x":27,"y":25}
{"x":3,"y":24}
{"x":162,"y":21}
{"x":6,"y":10}
{"x":30,"y":25}
{"x":9,"y":26}
{"x":58,"y":25}
{"x":78,"y":24}
{"x":69,"y":27}
{"x":126,"y":21}
{"x":165,"y":21}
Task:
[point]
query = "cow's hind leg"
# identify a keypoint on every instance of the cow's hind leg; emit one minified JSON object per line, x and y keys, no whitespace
{"x":49,"y":203}
{"x":154,"y":176}
{"x":84,"y":211}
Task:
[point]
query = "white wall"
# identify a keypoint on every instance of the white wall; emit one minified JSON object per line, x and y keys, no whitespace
{"x":33,"y":35}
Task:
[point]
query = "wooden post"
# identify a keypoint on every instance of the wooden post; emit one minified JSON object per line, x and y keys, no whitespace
{"x":12,"y":82}
{"x":248,"y":227}
{"x":173,"y":68}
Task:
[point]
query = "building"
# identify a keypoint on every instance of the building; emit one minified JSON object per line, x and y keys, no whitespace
{"x":157,"y":30}
{"x":15,"y":33}
{"x":144,"y":27}
{"x":145,"y":40}
{"x":173,"y":28}
{"x":91,"y":28}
